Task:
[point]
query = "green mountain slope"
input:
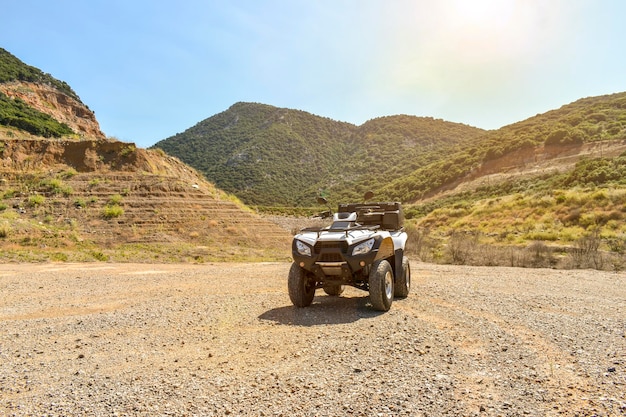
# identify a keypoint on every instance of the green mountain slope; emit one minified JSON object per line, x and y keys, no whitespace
{"x":16,"y":113}
{"x":264,"y":155}
{"x":584,"y":121}
{"x":281,"y":157}
{"x":12,"y":69}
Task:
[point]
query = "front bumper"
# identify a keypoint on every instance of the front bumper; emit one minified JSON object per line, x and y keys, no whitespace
{"x":334,"y":262}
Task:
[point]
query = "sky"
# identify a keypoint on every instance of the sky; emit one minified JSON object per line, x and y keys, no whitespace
{"x":152,"y":68}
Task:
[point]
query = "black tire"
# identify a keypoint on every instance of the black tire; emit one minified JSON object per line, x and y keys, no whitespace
{"x":381,"y":285}
{"x":403,"y":283}
{"x":301,"y":288}
{"x":333,"y":290}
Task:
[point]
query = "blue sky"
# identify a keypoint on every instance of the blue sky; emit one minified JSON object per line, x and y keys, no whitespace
{"x":151,"y":69}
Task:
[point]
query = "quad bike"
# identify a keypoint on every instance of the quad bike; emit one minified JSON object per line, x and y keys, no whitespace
{"x":363,"y":248}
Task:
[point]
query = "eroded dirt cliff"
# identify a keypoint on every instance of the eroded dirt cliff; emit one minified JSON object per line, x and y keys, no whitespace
{"x":61,"y":107}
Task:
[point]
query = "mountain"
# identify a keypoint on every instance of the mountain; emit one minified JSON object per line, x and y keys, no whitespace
{"x":548,"y":191}
{"x":67,"y":193}
{"x":273,"y":156}
{"x":263,"y":154}
{"x":270,"y":156}
{"x":41,"y":105}
{"x":574,"y":130}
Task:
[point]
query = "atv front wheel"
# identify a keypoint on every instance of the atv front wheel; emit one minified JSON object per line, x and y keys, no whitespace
{"x":403,"y":283}
{"x":381,"y":285}
{"x":333,"y":290}
{"x":301,"y":287}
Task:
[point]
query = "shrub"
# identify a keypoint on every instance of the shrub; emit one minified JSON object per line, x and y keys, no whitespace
{"x":127,"y":150}
{"x":540,"y":254}
{"x":112,"y":211}
{"x":158,"y":151}
{"x":56,"y":186}
{"x":69,"y":173}
{"x":9,"y":193}
{"x":100,"y":256}
{"x":460,"y":246}
{"x":572,"y":218}
{"x":115,"y":199}
{"x":585,"y":251}
{"x":36,"y":200}
{"x":542,"y":235}
{"x":617,"y":244}
{"x":58,"y":257}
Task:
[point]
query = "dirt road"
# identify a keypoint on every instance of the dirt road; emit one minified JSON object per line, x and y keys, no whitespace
{"x":223,"y":339}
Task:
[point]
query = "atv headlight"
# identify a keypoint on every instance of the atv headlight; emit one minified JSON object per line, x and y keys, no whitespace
{"x":363,"y":248}
{"x":303,"y":249}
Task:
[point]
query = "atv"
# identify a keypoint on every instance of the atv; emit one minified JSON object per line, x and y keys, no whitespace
{"x":362,"y":248}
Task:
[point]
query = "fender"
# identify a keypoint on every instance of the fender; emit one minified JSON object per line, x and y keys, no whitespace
{"x":385,"y":250}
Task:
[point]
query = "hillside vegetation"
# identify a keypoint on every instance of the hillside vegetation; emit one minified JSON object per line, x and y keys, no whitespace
{"x":263,"y":154}
{"x":272,"y":156}
{"x":546,"y":191}
{"x":16,"y":113}
{"x":587,"y":120}
{"x":70,"y":194}
{"x":13,"y":69}
{"x":105,"y":200}
{"x":34,"y":102}
{"x":269,"y":156}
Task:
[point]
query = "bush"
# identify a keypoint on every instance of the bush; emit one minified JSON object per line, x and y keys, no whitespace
{"x":100,"y":256}
{"x":540,"y":255}
{"x":9,"y":193}
{"x":69,"y":173}
{"x":112,"y":211}
{"x":56,"y":186}
{"x":585,"y":252}
{"x":36,"y":200}
{"x":115,"y":199}
{"x":127,"y":150}
{"x":460,"y":246}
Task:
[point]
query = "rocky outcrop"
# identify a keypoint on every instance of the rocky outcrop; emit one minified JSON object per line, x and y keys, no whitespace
{"x":61,"y":107}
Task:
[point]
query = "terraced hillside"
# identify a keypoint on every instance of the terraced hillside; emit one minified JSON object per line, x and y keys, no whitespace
{"x":78,"y":200}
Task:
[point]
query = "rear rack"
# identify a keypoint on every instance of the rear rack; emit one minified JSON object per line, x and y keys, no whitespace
{"x":319,"y":230}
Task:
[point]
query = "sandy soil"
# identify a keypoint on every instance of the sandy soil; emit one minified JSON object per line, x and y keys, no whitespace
{"x":223,"y":339}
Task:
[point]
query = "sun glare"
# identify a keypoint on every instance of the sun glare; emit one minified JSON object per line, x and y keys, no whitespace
{"x":485,"y":30}
{"x":483,"y":13}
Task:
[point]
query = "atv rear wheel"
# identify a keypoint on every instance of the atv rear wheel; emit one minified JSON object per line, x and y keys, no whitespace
{"x":333,"y":289}
{"x":381,"y":285}
{"x":301,"y":287}
{"x":403,"y":283}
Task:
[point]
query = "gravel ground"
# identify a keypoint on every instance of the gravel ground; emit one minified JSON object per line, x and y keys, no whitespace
{"x":223,"y":339}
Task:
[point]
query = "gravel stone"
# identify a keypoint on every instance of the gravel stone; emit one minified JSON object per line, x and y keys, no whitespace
{"x":220,"y":339}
